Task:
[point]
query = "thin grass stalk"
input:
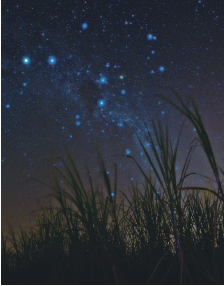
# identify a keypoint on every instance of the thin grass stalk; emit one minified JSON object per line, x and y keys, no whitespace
{"x":186,"y":165}
{"x":15,"y":245}
{"x":154,"y":270}
{"x":208,"y":275}
{"x":202,"y":189}
{"x":214,"y":231}
{"x":167,"y":271}
{"x":181,"y":269}
{"x":4,"y":253}
{"x":109,"y":189}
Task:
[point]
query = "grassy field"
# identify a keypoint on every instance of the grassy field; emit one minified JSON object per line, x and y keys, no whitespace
{"x":164,"y":233}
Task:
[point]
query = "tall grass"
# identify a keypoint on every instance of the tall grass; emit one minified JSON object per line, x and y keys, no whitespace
{"x":162,"y":233}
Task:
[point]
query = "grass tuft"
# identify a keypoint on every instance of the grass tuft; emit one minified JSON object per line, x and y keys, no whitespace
{"x":162,"y":233}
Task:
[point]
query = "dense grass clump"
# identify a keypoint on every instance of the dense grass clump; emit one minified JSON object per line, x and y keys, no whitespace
{"x":163,"y":233}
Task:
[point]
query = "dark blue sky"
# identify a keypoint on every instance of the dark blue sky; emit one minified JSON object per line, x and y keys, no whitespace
{"x":82,"y":74}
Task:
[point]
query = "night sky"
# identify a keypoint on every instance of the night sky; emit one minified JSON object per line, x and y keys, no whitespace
{"x":82,"y":74}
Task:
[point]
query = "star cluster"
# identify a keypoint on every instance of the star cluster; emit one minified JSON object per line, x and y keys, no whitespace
{"x":83,"y":74}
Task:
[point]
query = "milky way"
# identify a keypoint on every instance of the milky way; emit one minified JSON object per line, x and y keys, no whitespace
{"x":83,"y":74}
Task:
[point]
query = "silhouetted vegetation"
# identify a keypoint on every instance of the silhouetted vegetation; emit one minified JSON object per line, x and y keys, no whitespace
{"x":167,"y":233}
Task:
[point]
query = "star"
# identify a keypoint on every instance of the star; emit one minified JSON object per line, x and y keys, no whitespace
{"x":84,"y":26}
{"x":103,"y":80}
{"x":101,"y":102}
{"x":51,"y":60}
{"x":26,"y":60}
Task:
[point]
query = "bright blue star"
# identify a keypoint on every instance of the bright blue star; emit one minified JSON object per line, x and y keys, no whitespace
{"x":149,"y":36}
{"x":24,"y":84}
{"x":7,"y":105}
{"x":103,"y":80}
{"x":112,"y":194}
{"x":161,"y":68}
{"x":51,"y":60}
{"x":78,"y":123}
{"x":26,"y":60}
{"x":107,"y":65}
{"x":120,"y":124}
{"x":128,"y":152}
{"x":101,"y":102}
{"x":122,"y":91}
{"x":153,"y":52}
{"x":152,"y":71}
{"x":77,"y":116}
{"x":84,"y":25}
